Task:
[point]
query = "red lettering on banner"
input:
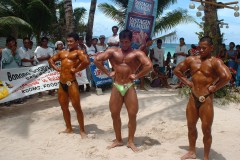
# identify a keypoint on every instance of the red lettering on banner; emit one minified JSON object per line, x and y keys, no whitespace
{"x":99,"y":72}
{"x":53,"y":74}
{"x":44,"y":80}
{"x":79,"y":74}
{"x":53,"y":78}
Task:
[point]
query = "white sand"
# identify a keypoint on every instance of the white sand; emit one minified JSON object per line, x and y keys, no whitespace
{"x":30,"y":131}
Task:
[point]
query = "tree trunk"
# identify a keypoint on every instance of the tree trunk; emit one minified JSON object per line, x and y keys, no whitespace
{"x":90,"y":22}
{"x":69,"y":16}
{"x":211,"y":25}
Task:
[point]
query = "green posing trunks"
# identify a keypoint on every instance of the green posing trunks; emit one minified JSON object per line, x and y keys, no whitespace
{"x":123,"y":88}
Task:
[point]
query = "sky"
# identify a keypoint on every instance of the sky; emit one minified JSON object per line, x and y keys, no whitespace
{"x":103,"y":24}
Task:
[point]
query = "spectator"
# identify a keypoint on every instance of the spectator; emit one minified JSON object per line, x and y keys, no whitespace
{"x":11,"y":59}
{"x":26,"y":54}
{"x":10,"y":55}
{"x":101,"y":46}
{"x":231,"y":56}
{"x":113,"y":41}
{"x":181,"y":54}
{"x":82,"y":46}
{"x":168,"y":65}
{"x":193,"y":51}
{"x":222,"y":53}
{"x":43,"y":53}
{"x":158,"y":79}
{"x":157,"y":56}
{"x":238,"y":66}
{"x":91,"y":51}
{"x":59,"y":46}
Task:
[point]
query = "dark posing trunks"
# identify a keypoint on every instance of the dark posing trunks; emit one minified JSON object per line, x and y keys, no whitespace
{"x":199,"y":100}
{"x":68,"y":83}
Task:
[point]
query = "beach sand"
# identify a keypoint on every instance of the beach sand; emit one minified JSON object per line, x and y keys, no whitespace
{"x":30,"y":131}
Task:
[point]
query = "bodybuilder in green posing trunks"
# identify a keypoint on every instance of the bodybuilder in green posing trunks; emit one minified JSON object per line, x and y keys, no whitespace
{"x":125,"y":62}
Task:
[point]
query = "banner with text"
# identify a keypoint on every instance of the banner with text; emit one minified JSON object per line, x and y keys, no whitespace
{"x":99,"y":77}
{"x":141,"y":15}
{"x":20,"y":82}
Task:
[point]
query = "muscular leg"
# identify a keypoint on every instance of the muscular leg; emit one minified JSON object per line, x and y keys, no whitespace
{"x":63,"y":100}
{"x":115,"y":104}
{"x":131,"y":102}
{"x":206,"y":115}
{"x":75,"y":99}
{"x":192,"y":118}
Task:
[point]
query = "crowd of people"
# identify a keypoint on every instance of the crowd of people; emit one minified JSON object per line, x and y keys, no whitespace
{"x":161,"y":75}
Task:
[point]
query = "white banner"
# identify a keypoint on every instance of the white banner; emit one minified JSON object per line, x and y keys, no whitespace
{"x":20,"y":82}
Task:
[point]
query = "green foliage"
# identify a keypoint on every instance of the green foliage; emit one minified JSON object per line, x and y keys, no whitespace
{"x":35,"y":15}
{"x":223,"y":96}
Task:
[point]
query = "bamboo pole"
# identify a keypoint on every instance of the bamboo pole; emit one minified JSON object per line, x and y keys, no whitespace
{"x":215,"y":4}
{"x":229,"y":3}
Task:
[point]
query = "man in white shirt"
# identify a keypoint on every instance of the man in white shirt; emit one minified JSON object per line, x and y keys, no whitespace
{"x":25,"y":53}
{"x":181,"y":53}
{"x":157,"y":56}
{"x":43,"y":52}
{"x":101,"y":46}
{"x":113,"y":42}
{"x":93,"y":48}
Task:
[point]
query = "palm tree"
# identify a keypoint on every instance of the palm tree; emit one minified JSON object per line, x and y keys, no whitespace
{"x":211,"y":27}
{"x":163,"y":23}
{"x":59,"y":29}
{"x":90,"y":21}
{"x":79,"y":15}
{"x":25,"y":17}
{"x":68,"y":16}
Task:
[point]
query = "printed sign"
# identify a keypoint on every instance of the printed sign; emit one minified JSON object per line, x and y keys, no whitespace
{"x":140,"y":19}
{"x":21,"y":82}
{"x":144,"y":7}
{"x":99,"y":77}
{"x":141,"y":27}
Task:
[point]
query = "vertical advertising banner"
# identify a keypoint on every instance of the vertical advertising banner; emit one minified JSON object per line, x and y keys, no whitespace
{"x":141,"y":15}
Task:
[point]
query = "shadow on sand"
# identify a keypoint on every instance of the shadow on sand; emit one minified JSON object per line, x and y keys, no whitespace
{"x":200,"y":151}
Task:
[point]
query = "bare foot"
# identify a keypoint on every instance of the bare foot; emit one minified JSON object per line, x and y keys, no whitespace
{"x":133,"y":147}
{"x":66,"y":131}
{"x":115,"y":143}
{"x":189,"y":155}
{"x":83,"y":135}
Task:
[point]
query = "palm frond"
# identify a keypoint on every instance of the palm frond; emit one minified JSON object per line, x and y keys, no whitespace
{"x":79,"y":13}
{"x":112,"y":12}
{"x":171,"y":19}
{"x":164,"y":4}
{"x":13,"y":21}
{"x":121,"y":3}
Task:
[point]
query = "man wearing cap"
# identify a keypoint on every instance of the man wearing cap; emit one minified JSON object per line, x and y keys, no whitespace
{"x":59,"y":46}
{"x":101,"y":46}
